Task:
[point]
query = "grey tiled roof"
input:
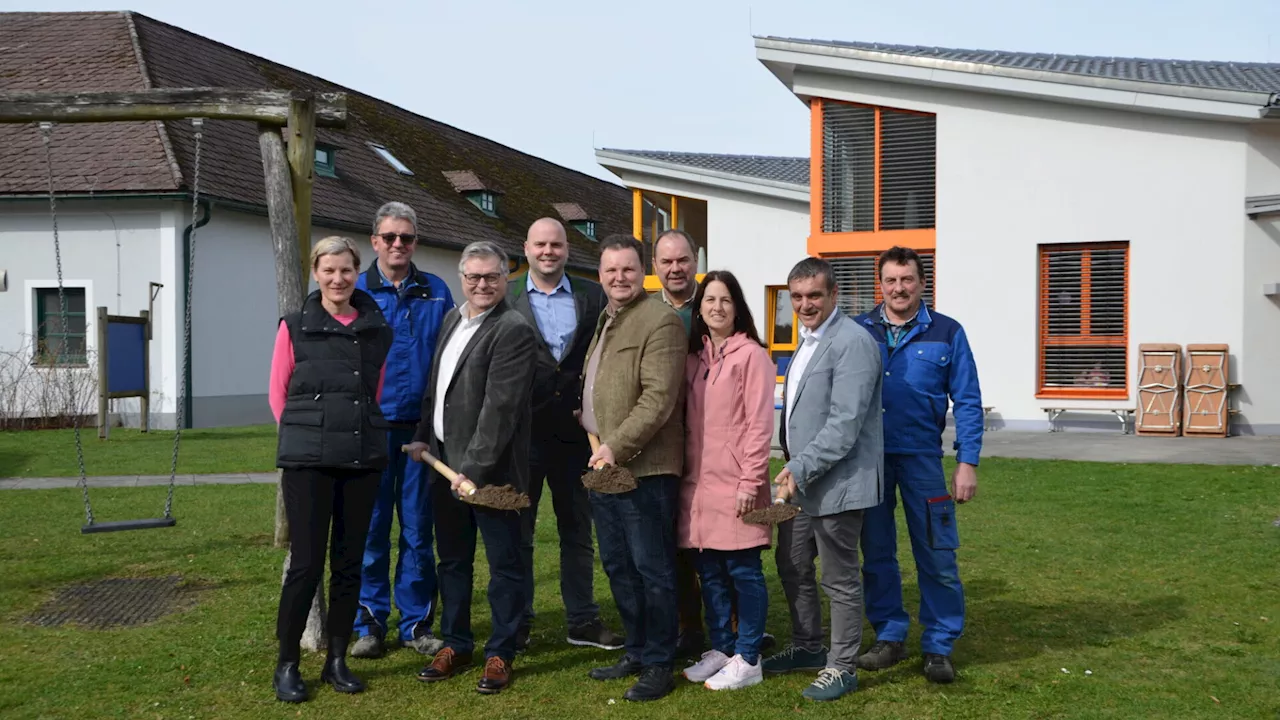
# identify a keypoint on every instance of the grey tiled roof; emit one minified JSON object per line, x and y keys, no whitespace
{"x":1220,"y":75}
{"x":791,"y":170}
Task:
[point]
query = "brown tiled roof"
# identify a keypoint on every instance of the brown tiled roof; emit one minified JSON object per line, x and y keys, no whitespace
{"x":571,"y":211}
{"x":77,"y":51}
{"x":97,"y":51}
{"x":468,"y":181}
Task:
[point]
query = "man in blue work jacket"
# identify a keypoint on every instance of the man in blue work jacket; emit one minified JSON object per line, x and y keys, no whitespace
{"x":414,"y":303}
{"x":926,"y":360}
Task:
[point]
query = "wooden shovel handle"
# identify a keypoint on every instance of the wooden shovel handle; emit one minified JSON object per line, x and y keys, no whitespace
{"x":467,"y":487}
{"x":595,"y":448}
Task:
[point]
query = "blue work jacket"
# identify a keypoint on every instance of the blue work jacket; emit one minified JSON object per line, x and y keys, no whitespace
{"x":414,"y":311}
{"x":929,"y":364}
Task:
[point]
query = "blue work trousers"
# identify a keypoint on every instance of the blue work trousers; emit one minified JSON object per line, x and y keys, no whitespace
{"x":931,"y":524}
{"x":403,"y":491}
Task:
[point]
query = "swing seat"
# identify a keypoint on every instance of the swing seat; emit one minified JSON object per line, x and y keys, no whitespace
{"x":119,"y":525}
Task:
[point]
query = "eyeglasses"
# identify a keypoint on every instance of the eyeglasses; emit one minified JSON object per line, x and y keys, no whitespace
{"x":475,"y":278}
{"x":405,"y":238}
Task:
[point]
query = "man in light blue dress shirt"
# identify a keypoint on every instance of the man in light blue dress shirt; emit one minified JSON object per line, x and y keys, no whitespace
{"x":564,"y":310}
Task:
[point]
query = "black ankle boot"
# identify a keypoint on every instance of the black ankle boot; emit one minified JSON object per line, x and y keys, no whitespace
{"x":336,"y":672}
{"x":288,"y":682}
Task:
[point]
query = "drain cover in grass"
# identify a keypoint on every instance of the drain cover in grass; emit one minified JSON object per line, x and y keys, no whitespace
{"x":114,"y":602}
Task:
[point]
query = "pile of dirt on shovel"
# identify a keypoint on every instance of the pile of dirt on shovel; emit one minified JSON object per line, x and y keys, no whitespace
{"x":772,"y":515}
{"x":498,"y":497}
{"x":609,"y":479}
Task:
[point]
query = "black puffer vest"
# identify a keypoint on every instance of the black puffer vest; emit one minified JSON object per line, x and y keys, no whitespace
{"x":331,"y":417}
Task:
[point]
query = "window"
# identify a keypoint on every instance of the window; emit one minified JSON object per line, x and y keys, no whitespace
{"x":878,"y":169}
{"x":586,"y":227}
{"x":58,"y":343}
{"x":859,"y":282}
{"x":1083,"y":303}
{"x":873,"y":178}
{"x":781,"y":329}
{"x":484,"y":200}
{"x":325,"y":155}
{"x":392,"y":160}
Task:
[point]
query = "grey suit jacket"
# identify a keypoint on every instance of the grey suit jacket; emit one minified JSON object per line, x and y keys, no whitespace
{"x":834,"y":437}
{"x":487,"y":413}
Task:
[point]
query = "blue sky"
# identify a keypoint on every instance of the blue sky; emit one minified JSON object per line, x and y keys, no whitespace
{"x":556,"y":77}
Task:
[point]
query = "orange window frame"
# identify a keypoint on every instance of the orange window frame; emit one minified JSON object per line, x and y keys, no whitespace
{"x":771,"y":312}
{"x":823,"y":243}
{"x":1084,"y":338}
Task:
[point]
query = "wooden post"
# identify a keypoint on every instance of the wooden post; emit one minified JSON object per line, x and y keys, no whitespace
{"x":102,"y":373}
{"x":286,"y":242}
{"x":270,"y":107}
{"x":144,"y":404}
{"x":302,"y":161}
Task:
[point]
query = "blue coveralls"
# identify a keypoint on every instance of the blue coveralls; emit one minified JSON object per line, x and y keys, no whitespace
{"x":415,"y":312}
{"x":929,"y":362}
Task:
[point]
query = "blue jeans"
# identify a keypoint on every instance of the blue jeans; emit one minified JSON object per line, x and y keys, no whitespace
{"x":404,"y":489}
{"x":931,"y":524}
{"x":637,"y":535}
{"x":728,"y":575}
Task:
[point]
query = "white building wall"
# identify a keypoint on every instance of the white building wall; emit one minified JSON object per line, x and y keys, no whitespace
{"x":235,"y":316}
{"x":1259,"y":355}
{"x":756,"y":237}
{"x":1013,"y":173}
{"x":111,"y":248}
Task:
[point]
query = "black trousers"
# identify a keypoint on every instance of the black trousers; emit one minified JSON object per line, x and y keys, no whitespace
{"x":315,"y":499}
{"x":562,"y":465}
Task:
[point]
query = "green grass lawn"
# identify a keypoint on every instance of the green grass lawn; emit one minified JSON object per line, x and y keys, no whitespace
{"x":52,"y":453}
{"x":1154,"y":587}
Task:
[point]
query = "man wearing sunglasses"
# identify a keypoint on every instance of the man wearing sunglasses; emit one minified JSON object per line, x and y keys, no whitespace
{"x":414,"y":303}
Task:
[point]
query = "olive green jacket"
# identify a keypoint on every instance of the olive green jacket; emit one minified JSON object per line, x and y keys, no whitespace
{"x":639,"y":389}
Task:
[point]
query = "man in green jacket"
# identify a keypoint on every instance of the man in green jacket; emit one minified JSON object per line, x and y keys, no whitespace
{"x":632,"y":402}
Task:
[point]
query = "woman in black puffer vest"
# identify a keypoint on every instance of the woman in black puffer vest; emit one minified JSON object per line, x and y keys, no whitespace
{"x":326,"y":378}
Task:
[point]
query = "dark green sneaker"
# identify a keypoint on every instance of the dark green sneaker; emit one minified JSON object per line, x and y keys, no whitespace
{"x":792,"y":658}
{"x":831,"y":684}
{"x":884,"y":654}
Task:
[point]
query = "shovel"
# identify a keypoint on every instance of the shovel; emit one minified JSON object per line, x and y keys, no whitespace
{"x":604,"y":478}
{"x":779,"y":511}
{"x":499,"y":497}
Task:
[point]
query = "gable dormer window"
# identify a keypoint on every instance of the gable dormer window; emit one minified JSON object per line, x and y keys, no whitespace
{"x":325,"y":160}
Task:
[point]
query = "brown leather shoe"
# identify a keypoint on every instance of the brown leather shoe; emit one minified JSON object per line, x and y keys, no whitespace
{"x":496,"y":677}
{"x":446,"y":664}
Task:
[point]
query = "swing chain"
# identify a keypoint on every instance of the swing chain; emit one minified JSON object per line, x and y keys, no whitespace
{"x":46,"y":129}
{"x":198,"y":124}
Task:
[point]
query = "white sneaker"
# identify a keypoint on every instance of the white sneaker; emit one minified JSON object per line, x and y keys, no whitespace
{"x":710,"y":664}
{"x":735,"y":675}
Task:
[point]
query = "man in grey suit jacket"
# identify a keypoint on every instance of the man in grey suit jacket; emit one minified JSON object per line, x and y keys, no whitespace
{"x":832,"y":437}
{"x":476,"y":415}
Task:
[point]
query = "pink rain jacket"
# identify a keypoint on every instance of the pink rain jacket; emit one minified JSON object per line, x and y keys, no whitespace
{"x":729,"y":429}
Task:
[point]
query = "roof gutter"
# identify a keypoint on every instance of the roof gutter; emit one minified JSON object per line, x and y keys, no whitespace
{"x":1261,"y":205}
{"x":716,"y":178}
{"x":899,"y":67}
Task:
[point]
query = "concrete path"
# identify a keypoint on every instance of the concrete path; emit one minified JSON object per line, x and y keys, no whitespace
{"x":1094,"y":446}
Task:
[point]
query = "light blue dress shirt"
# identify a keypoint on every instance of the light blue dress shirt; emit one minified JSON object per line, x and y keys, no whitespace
{"x":556,"y":315}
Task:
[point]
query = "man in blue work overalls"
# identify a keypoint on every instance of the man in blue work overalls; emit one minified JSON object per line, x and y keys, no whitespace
{"x":414,"y":303}
{"x":926,"y":360}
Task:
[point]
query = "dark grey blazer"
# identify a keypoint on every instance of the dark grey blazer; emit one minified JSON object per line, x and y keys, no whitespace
{"x":557,"y":386}
{"x":487,"y":412}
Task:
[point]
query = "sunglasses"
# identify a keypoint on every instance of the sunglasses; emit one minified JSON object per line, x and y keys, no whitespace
{"x":405,"y":238}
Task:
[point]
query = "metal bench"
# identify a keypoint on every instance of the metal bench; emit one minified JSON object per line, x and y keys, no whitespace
{"x":1122,"y":414}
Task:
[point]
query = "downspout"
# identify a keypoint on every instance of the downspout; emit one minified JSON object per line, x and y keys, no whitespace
{"x":188,"y":405}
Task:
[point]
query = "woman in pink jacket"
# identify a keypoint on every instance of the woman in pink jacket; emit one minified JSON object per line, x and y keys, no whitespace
{"x":729,"y":381}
